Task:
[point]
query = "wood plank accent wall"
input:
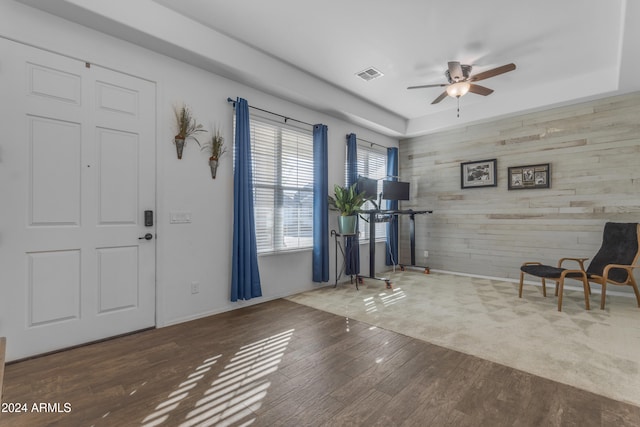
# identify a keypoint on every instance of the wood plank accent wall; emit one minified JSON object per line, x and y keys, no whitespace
{"x":594,"y":152}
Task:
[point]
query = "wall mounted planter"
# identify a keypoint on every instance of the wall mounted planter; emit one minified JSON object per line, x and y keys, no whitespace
{"x":186,"y":127}
{"x":215,"y":149}
{"x":213,"y":164}
{"x":179,"y":146}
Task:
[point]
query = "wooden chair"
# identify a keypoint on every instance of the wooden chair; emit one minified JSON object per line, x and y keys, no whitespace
{"x":613,"y":264}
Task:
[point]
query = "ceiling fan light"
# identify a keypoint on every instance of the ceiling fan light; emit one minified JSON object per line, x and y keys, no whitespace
{"x":456,"y":90}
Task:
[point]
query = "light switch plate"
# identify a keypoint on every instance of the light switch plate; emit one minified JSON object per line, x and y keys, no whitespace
{"x":180,"y":217}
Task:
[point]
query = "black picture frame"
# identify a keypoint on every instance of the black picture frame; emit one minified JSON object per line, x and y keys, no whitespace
{"x":529,"y":177}
{"x":479,"y":173}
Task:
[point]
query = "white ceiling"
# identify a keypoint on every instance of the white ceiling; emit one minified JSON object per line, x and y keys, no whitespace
{"x":309,"y":52}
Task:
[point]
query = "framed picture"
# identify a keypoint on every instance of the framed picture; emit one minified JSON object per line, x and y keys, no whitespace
{"x":528,"y":177}
{"x":481,"y":173}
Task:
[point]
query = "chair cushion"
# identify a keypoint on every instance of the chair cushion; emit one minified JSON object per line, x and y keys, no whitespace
{"x":619,"y":246}
{"x":546,"y":271}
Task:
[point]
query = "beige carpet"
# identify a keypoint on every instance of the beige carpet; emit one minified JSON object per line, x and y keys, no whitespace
{"x":596,"y":350}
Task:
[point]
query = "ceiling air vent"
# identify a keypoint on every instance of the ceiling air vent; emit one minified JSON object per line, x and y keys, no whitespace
{"x":369,"y":74}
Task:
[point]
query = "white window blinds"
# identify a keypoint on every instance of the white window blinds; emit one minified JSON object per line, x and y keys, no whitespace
{"x":372,"y":163}
{"x":283,"y":185}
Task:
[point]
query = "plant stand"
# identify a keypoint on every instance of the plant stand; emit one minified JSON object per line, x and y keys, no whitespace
{"x":340,"y":245}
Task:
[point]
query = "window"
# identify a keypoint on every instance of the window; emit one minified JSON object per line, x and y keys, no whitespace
{"x":283,"y":185}
{"x":372,"y":163}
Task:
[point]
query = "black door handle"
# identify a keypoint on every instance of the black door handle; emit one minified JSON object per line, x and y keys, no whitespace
{"x":147,"y":236}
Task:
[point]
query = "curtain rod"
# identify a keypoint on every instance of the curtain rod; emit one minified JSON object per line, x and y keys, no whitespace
{"x":368,"y":142}
{"x":271,"y":112}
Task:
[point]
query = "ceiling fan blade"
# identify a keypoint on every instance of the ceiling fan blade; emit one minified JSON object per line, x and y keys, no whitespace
{"x":493,"y":72}
{"x":455,"y":71}
{"x":480,"y":90}
{"x":442,"y":96}
{"x":423,"y":86}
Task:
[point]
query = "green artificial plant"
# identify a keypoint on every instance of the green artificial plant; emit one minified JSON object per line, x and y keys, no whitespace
{"x":347,"y":200}
{"x":186,"y":124}
{"x":215,"y":146}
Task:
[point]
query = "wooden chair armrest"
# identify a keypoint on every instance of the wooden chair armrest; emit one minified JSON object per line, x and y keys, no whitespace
{"x":627,"y":267}
{"x":532,"y":263}
{"x":578,"y":260}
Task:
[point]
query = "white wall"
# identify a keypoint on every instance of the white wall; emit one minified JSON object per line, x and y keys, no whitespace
{"x":199,"y":251}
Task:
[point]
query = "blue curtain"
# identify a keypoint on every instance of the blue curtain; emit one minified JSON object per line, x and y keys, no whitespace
{"x":245,"y":278}
{"x":320,"y":205}
{"x":392,"y":226}
{"x":352,"y":245}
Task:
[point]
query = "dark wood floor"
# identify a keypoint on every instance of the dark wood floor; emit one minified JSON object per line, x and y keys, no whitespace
{"x":281,"y":363}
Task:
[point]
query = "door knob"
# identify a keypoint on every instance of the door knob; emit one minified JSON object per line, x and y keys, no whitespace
{"x":147,"y":236}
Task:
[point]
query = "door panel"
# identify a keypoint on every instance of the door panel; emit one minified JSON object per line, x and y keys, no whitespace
{"x":53,"y":287}
{"x":117,"y":99}
{"x":54,"y":168}
{"x":55,"y":84}
{"x":118,"y":160}
{"x":118,"y":279}
{"x":77,"y":173}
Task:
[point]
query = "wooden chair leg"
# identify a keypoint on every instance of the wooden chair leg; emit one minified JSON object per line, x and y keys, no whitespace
{"x":557,"y":284}
{"x":603,"y":297}
{"x":585,"y":284}
{"x":521,"y":280}
{"x":544,"y":288}
{"x":560,"y":290}
{"x":634,"y":285}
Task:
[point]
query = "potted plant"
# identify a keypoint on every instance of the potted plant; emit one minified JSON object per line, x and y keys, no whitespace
{"x":215,"y":147}
{"x":186,"y":126}
{"x":347,"y":200}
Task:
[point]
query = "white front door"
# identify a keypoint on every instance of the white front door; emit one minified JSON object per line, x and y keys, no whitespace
{"x":77,"y":172}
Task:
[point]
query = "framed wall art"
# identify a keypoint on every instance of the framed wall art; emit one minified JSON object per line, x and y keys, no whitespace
{"x":481,"y":173}
{"x":529,"y":177}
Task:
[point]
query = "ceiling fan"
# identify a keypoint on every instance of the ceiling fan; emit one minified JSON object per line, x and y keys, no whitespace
{"x":461,"y":81}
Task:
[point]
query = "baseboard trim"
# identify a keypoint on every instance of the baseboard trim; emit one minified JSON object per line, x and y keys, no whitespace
{"x":85,"y":344}
{"x":529,"y":282}
{"x":240,"y":304}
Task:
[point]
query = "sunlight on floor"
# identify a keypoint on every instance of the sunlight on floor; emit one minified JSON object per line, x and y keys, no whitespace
{"x":390,"y":299}
{"x":238,"y":390}
{"x":162,"y":411}
{"x":235,"y":394}
{"x":386,"y":299}
{"x":370,"y":305}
